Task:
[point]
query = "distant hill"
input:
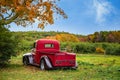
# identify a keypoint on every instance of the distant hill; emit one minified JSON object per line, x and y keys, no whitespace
{"x":34,"y":35}
{"x":102,"y":36}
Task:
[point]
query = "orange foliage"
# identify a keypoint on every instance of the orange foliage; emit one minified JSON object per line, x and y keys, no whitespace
{"x":24,"y":12}
{"x":67,"y":38}
{"x":100,"y":50}
{"x":64,"y":38}
{"x":51,"y":37}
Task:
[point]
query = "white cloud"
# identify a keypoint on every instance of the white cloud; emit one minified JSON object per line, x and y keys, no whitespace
{"x":102,"y":9}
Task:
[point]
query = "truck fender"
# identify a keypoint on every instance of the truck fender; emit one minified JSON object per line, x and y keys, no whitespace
{"x":47,"y":60}
{"x":29,"y":57}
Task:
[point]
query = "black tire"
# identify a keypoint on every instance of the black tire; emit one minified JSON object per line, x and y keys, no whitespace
{"x":43,"y":65}
{"x":25,"y":60}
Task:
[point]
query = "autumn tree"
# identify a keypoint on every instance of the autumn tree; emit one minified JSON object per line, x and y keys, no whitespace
{"x":105,"y":36}
{"x":24,"y":12}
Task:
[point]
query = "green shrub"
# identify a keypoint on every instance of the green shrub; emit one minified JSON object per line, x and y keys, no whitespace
{"x":113,"y":49}
{"x":8,"y":45}
{"x":117,"y":50}
{"x":85,"y":47}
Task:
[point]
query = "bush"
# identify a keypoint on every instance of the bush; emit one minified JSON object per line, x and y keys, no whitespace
{"x":117,"y":52}
{"x":106,"y":48}
{"x":84,"y":48}
{"x":67,"y":46}
{"x":100,"y":50}
{"x":7,"y":45}
{"x":113,"y":49}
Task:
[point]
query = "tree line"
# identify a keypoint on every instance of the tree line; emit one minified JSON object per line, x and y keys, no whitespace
{"x":105,"y":36}
{"x":102,"y":36}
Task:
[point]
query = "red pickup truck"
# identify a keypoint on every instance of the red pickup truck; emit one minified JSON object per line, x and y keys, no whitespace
{"x":47,"y":55}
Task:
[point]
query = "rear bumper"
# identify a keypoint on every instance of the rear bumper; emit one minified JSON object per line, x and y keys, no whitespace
{"x":64,"y":63}
{"x":65,"y":68}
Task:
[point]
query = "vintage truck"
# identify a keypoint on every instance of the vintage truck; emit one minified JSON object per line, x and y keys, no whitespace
{"x":47,"y":55}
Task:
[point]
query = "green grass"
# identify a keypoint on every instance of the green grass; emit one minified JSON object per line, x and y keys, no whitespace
{"x":91,"y":67}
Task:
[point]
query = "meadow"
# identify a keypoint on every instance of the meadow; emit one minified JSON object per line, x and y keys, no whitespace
{"x":91,"y":67}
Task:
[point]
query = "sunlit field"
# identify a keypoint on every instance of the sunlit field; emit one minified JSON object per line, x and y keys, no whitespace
{"x":91,"y":67}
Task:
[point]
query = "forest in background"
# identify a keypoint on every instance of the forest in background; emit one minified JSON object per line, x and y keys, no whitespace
{"x":102,"y":36}
{"x":104,"y":42}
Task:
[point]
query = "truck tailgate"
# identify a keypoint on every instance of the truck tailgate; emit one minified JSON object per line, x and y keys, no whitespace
{"x":65,"y":59}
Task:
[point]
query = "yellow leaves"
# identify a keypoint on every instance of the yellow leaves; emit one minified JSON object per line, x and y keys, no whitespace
{"x":3,"y":2}
{"x":48,"y":14}
{"x":49,"y":17}
{"x":100,"y":50}
{"x":3,"y":10}
{"x":28,"y":4}
{"x":48,"y":5}
{"x":19,"y":8}
{"x":31,"y":13}
{"x":41,"y":25}
{"x":58,"y":37}
{"x":67,"y":37}
{"x":64,"y":38}
{"x":15,"y":3}
{"x":51,"y":37}
{"x":60,"y":11}
{"x":29,"y":10}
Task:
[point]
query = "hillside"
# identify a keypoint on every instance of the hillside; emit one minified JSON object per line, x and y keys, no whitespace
{"x":102,"y":36}
{"x":100,"y":42}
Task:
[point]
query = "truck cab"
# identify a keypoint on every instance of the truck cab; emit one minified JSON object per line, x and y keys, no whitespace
{"x":47,"y":55}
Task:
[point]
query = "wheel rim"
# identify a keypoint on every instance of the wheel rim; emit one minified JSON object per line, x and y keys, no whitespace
{"x":42,"y":65}
{"x":25,"y":62}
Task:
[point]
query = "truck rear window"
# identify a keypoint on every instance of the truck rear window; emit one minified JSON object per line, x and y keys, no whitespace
{"x":49,"y":45}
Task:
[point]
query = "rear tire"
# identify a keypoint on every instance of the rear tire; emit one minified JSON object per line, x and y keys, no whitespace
{"x":43,"y":65}
{"x":25,"y":61}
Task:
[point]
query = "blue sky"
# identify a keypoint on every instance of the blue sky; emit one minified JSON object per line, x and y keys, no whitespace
{"x":84,"y":17}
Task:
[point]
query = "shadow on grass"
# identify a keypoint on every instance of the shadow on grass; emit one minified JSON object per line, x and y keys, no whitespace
{"x":11,"y":66}
{"x":52,"y":69}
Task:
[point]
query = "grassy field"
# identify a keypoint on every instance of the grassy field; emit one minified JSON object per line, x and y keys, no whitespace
{"x":91,"y":67}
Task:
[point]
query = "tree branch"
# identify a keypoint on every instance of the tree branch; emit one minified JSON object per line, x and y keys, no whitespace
{"x":2,"y":16}
{"x":8,"y":21}
{"x":9,"y":15}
